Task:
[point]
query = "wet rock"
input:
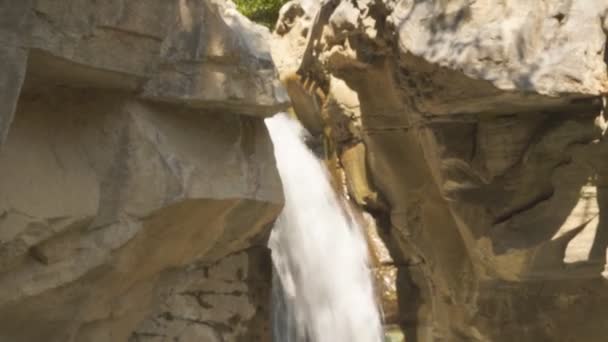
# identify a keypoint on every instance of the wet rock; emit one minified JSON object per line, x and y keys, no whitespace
{"x":482,"y":130}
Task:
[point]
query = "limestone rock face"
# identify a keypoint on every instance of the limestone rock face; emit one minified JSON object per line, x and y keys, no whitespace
{"x":223,"y":301}
{"x":137,"y":178}
{"x":473,"y":132}
{"x":201,"y":54}
{"x":551,"y":48}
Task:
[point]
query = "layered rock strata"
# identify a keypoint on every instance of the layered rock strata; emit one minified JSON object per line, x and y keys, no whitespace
{"x":473,"y":132}
{"x":137,"y":179}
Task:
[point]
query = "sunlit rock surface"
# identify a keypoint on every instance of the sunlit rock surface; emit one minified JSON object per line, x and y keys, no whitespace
{"x":137,"y":179}
{"x":473,"y":132}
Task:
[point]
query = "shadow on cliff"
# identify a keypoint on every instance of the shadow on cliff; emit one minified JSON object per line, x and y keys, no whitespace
{"x":442,"y":46}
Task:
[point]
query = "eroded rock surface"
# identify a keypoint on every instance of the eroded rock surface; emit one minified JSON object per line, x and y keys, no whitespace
{"x":137,"y":178}
{"x":473,"y":132}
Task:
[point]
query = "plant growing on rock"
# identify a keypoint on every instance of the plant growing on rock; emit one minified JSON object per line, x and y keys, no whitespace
{"x":264,"y":12}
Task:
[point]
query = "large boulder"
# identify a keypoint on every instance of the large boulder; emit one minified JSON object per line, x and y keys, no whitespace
{"x":137,"y":177}
{"x":473,"y":131}
{"x":201,"y":54}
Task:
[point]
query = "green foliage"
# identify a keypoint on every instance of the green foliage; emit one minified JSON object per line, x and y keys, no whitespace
{"x":264,"y":12}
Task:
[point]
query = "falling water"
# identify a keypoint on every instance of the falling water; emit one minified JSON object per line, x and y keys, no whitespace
{"x":323,"y":288}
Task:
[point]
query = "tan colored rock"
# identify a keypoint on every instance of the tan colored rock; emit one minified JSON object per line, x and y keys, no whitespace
{"x":222,"y":302}
{"x":14,"y":59}
{"x":480,"y":126}
{"x":126,"y":191}
{"x":137,"y":164}
{"x":355,"y":167}
{"x":202,"y":54}
{"x":550,"y":48}
{"x":384,"y":270}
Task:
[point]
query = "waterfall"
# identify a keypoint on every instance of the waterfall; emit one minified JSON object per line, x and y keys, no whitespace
{"x":323,"y":290}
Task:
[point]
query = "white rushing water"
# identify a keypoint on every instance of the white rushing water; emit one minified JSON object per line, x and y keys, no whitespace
{"x":323,"y":286}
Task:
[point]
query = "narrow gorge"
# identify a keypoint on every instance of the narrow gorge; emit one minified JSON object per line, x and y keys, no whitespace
{"x":464,"y":143}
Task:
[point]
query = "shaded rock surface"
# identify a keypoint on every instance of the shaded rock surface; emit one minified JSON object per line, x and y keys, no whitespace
{"x":224,"y":301}
{"x":137,"y":178}
{"x":473,"y":132}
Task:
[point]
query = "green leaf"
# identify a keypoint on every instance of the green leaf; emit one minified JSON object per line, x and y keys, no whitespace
{"x":265,"y":12}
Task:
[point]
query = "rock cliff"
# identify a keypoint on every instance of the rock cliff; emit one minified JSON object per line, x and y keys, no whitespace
{"x":473,"y":133}
{"x":137,"y":179}
{"x":138,"y":182}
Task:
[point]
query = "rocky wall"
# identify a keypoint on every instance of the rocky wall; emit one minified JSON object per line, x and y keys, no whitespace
{"x":473,"y":132}
{"x":137,"y":178}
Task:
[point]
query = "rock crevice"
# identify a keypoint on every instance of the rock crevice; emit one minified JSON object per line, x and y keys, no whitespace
{"x":481,"y":126}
